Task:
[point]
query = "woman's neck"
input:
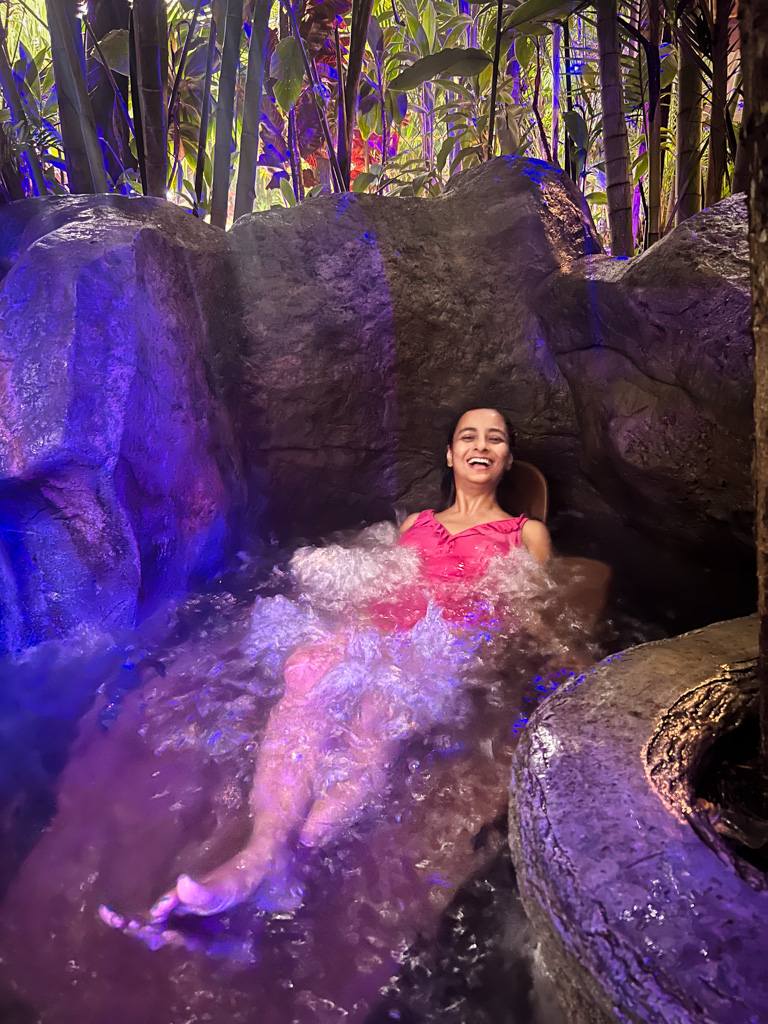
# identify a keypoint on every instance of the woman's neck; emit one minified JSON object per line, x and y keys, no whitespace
{"x":477,"y":505}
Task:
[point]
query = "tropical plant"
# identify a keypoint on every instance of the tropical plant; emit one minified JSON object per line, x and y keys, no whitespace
{"x":240,"y":104}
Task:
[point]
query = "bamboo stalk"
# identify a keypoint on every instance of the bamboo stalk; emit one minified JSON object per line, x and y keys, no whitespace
{"x":615,"y":140}
{"x":225,"y":112}
{"x":134,"y":87}
{"x":151,"y":33}
{"x":653,"y":59}
{"x":495,"y":77}
{"x":341,"y":114}
{"x":182,"y":63}
{"x":718,"y":136}
{"x":557,"y":33}
{"x":689,"y":97}
{"x":569,"y":169}
{"x":245,"y":193}
{"x":82,"y":152}
{"x":358,"y":33}
{"x":202,"y":141}
{"x":753,"y":17}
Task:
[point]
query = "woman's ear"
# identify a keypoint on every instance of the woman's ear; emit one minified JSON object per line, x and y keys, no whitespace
{"x":449,"y":458}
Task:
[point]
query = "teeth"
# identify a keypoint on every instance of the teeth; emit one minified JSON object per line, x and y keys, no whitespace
{"x":479,"y":462}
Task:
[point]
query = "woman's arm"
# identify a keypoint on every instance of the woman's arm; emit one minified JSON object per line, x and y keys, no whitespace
{"x":535,"y":537}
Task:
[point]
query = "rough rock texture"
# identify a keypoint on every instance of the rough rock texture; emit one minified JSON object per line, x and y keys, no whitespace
{"x":119,"y":472}
{"x":640,"y":920}
{"x":658,"y":358}
{"x":157,"y":372}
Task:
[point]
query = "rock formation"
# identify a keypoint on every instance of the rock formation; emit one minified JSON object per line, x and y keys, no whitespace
{"x":168,"y":388}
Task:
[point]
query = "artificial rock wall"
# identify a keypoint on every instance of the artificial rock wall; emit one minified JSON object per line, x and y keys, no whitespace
{"x":169,"y":389}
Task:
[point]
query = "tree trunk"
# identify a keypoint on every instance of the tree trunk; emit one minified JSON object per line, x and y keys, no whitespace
{"x":689,"y":97}
{"x":151,"y":28}
{"x":718,"y":136}
{"x":82,"y":152}
{"x":225,"y":112}
{"x":753,"y":24}
{"x":202,"y":141}
{"x":358,"y":32}
{"x":557,"y":33}
{"x":615,"y":140}
{"x":105,"y":16}
{"x":254,"y":87}
{"x":654,"y":121}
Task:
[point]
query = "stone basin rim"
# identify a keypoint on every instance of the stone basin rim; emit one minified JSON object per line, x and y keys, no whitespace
{"x":639,"y":917}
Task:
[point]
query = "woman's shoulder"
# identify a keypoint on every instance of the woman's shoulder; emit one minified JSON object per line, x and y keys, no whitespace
{"x":414,"y":518}
{"x":535,"y":537}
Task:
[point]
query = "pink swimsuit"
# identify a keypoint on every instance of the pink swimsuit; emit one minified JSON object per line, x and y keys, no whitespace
{"x":448,"y":559}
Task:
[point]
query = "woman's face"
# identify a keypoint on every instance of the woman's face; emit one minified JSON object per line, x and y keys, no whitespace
{"x":479,"y":454}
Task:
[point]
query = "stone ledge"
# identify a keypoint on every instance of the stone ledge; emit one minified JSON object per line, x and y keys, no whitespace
{"x":640,"y":919}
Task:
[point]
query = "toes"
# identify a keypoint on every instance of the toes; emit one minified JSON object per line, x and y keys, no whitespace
{"x":198,"y":899}
{"x":164,"y":906}
{"x":110,"y":917}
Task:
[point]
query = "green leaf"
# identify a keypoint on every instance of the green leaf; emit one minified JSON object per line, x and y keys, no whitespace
{"x":456,"y":87}
{"x":287,"y":189}
{"x":287,"y":66}
{"x":418,"y":35}
{"x":598,"y":198}
{"x":541,"y":10}
{"x":577,"y":128}
{"x":465,"y":154}
{"x":641,"y":166}
{"x":455,"y":35}
{"x":397,"y":106}
{"x":316,"y":190}
{"x":524,"y":50}
{"x":114,"y":47}
{"x":429,"y":21}
{"x":375,"y":38}
{"x":362,"y":181}
{"x":532,"y":29}
{"x":452,"y":61}
{"x":448,"y":144}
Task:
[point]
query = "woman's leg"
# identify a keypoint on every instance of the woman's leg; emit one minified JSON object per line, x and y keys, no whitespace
{"x":370,"y":753}
{"x":281,"y":795}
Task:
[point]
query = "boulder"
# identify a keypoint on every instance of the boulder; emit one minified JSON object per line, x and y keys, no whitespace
{"x":119,"y":475}
{"x":657,"y":353}
{"x":642,"y":912}
{"x":169,"y":388}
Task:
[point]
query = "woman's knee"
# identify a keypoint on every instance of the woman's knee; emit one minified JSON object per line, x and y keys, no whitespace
{"x":307,"y":666}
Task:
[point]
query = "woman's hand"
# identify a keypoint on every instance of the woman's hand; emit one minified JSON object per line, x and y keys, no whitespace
{"x":536,"y":539}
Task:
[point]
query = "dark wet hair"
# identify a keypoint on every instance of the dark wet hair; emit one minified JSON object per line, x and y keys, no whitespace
{"x":447,"y":485}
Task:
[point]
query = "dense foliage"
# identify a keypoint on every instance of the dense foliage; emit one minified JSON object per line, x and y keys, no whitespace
{"x":230,"y":106}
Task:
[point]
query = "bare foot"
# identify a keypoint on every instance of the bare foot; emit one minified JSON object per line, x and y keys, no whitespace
{"x":152,"y":935}
{"x":229,"y":885}
{"x":225,"y":887}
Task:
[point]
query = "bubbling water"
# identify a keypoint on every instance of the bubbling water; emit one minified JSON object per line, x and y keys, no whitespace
{"x":160,"y":782}
{"x":512,"y":631}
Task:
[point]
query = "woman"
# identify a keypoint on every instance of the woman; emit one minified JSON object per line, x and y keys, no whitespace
{"x":456,"y":546}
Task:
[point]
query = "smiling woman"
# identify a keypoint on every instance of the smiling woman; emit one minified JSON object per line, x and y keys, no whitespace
{"x":478,"y":454}
{"x":443,"y":608}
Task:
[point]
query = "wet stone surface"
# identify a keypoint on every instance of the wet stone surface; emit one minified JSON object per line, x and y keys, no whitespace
{"x":168,"y":388}
{"x":640,"y":917}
